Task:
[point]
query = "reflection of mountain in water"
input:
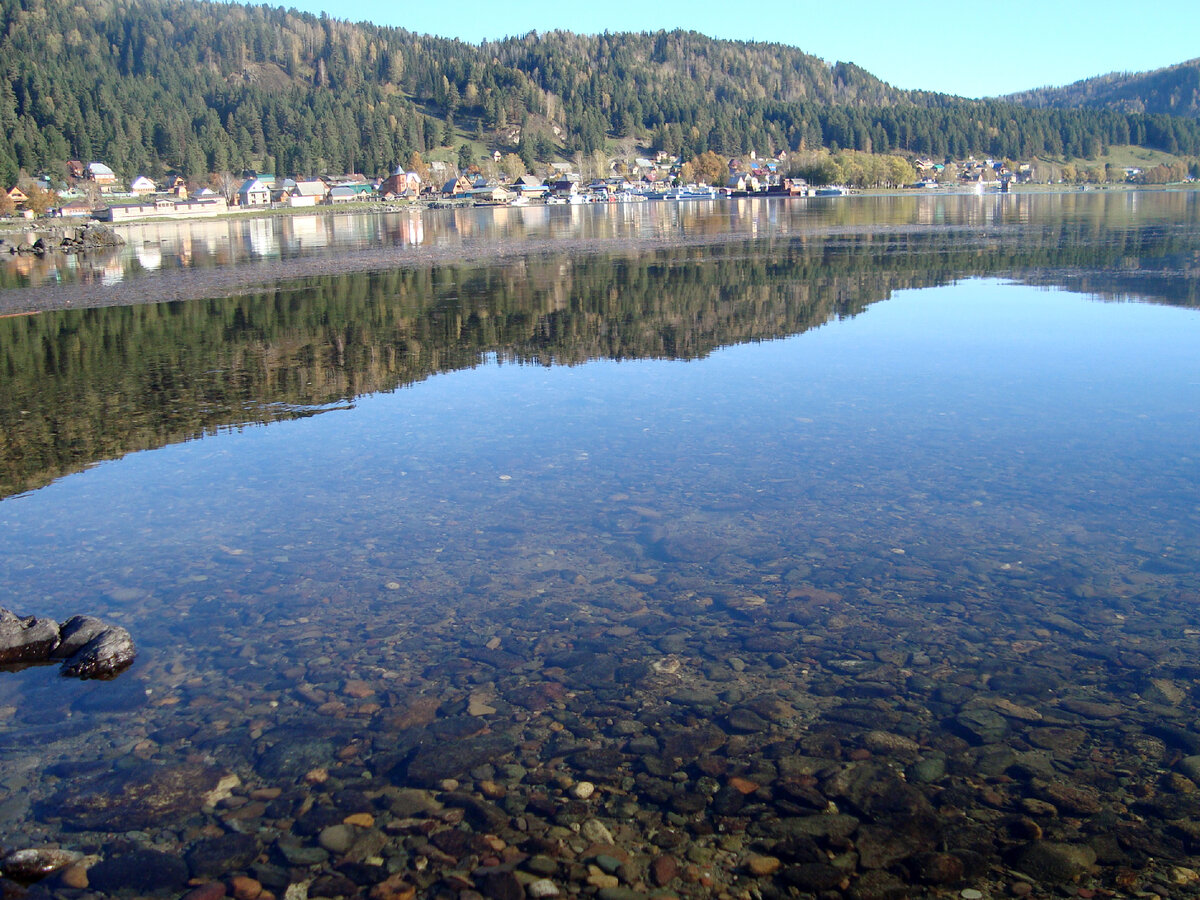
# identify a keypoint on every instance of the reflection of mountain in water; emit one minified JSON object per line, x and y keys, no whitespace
{"x":88,"y":385}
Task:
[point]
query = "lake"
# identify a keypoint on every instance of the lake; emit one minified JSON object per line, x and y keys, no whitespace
{"x":833,"y":548}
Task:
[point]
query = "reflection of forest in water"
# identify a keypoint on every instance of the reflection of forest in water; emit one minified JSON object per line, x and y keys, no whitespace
{"x":156,"y":250}
{"x":87,"y":385}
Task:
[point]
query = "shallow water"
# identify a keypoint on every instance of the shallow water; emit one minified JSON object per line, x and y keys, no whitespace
{"x":902,"y":527}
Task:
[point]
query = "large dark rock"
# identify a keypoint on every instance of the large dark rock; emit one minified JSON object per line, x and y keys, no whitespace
{"x":937,"y":868}
{"x":880,"y":847}
{"x":141,"y":870}
{"x":878,"y":885}
{"x":293,"y":754}
{"x":106,"y":655}
{"x":823,"y":826}
{"x":878,"y":791}
{"x":481,"y":814}
{"x":74,"y":635}
{"x":1054,"y":862}
{"x":220,"y":856}
{"x":92,"y":236}
{"x":143,"y":799}
{"x":500,"y":884}
{"x":434,"y":763}
{"x":334,"y":884}
{"x":980,"y":725}
{"x":36,"y":863}
{"x":813,"y":876}
{"x":27,"y":639}
{"x":90,"y":648}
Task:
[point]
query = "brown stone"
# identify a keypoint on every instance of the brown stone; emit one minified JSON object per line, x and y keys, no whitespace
{"x":1063,"y":741}
{"x":762,"y":866}
{"x":416,"y":712}
{"x":394,"y":888}
{"x":938,"y":868}
{"x":664,"y":870}
{"x":244,"y":887}
{"x":211,"y":891}
{"x":1090,"y":710}
{"x":500,"y":884}
{"x":357,"y":689}
{"x":75,"y":876}
{"x":248,"y":812}
{"x":743,"y":785}
{"x":1078,"y":800}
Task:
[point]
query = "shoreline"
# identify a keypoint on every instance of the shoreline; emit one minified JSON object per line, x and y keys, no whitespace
{"x":11,"y":226}
{"x":284,"y":274}
{"x":183,"y":284}
{"x":281,"y":274}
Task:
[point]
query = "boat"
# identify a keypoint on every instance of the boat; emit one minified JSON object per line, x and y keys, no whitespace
{"x":832,"y":190}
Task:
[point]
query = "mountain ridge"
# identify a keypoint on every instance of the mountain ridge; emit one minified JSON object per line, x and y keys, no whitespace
{"x":1171,"y":90}
{"x":199,"y":87}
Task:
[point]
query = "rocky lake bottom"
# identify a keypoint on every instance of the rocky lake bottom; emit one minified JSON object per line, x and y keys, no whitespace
{"x":898,"y":604}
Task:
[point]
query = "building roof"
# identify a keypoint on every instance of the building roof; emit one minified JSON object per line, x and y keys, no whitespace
{"x":309,"y":189}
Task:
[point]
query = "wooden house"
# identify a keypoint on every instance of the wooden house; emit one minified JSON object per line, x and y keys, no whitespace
{"x":307,"y":193}
{"x":457,"y":187}
{"x":529,"y":186}
{"x":254,"y":192}
{"x":101,"y":174}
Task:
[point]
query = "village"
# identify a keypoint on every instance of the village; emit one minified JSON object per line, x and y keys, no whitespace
{"x":93,"y":191}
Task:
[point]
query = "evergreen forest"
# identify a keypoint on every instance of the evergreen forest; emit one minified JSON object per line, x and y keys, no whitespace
{"x":1174,"y":90}
{"x":194,"y":87}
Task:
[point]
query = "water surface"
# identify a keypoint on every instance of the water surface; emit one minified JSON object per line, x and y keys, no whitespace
{"x":870,"y":554}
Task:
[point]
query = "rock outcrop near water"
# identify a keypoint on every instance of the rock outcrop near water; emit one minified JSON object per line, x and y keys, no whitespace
{"x":92,"y":236}
{"x":87,"y":647}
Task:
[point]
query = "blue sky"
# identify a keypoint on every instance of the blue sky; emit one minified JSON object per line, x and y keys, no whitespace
{"x":970,"y":49}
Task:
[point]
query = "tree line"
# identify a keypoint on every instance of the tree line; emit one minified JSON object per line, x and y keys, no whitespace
{"x":196,"y":87}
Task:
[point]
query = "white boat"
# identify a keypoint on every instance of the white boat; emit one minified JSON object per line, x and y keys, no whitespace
{"x":832,"y":190}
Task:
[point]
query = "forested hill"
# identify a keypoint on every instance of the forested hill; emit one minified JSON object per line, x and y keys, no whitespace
{"x":197,"y":87}
{"x":1174,"y":91}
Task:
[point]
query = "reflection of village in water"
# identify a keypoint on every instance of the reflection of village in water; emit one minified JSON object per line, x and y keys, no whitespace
{"x":155,"y":246}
